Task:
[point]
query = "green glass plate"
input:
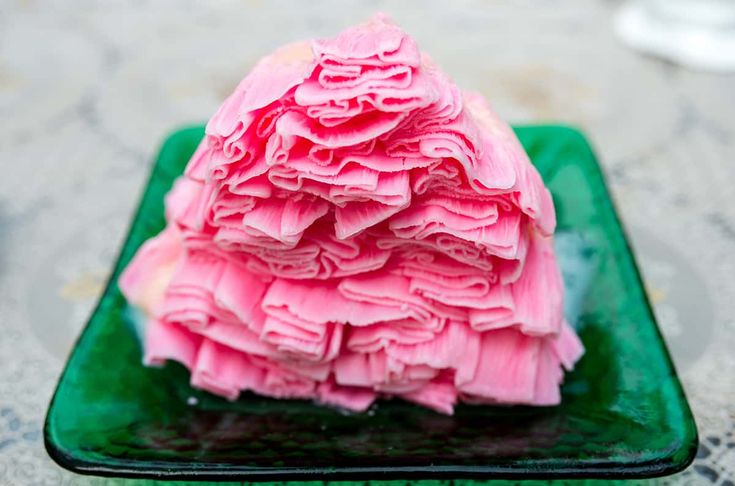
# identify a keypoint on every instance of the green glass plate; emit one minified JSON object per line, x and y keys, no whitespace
{"x":623,"y":413}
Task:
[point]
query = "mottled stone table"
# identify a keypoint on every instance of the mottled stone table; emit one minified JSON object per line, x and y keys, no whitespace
{"x":87,"y":91}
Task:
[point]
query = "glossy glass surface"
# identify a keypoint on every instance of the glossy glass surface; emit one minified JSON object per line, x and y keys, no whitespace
{"x":623,"y":412}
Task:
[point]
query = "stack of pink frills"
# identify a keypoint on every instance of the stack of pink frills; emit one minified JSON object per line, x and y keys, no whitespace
{"x":353,"y":227}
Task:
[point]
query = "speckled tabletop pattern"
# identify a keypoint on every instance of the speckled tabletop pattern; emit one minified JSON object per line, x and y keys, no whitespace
{"x":88,"y":90}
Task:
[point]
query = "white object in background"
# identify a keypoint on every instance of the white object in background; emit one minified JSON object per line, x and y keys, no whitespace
{"x":699,"y":34}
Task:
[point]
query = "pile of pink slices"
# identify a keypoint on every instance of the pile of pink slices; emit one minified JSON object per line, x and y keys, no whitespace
{"x":353,"y":227}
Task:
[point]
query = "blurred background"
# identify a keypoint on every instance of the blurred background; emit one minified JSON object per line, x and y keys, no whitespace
{"x":88,"y":90}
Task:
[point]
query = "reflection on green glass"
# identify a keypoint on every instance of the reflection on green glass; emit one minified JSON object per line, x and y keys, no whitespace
{"x":623,"y":410}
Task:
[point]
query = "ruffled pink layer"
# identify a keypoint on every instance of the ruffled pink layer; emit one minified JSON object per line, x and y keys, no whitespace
{"x":352,"y":227}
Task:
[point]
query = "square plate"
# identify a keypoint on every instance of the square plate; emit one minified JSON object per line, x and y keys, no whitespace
{"x":623,"y":412}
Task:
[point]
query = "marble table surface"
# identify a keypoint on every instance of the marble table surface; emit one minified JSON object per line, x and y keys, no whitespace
{"x":87,"y":91}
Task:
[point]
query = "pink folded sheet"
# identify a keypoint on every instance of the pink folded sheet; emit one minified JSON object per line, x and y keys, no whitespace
{"x":353,"y":227}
